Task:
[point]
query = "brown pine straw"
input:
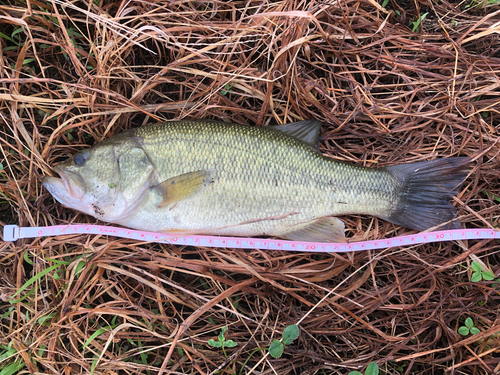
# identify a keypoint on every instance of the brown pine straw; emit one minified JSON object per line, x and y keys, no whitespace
{"x":388,"y":91}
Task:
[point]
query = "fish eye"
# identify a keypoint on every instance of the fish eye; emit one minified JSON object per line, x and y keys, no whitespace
{"x":81,"y":158}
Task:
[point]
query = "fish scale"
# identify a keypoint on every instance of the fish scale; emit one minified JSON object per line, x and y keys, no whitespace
{"x":278,"y":175}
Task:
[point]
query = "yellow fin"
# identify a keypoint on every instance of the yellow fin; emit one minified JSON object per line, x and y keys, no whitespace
{"x":325,"y":229}
{"x":184,"y":186}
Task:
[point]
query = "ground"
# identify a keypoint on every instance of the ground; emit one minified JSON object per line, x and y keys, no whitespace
{"x":392,"y":83}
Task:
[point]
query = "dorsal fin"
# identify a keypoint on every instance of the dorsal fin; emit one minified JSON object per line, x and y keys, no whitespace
{"x":307,"y":131}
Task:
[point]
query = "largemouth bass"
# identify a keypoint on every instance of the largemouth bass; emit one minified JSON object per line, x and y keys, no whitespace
{"x":204,"y":177}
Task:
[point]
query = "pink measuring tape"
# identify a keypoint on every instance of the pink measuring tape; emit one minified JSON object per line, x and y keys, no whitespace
{"x":14,"y":232}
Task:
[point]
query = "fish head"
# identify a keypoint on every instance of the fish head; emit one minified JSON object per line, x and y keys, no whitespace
{"x":106,"y":181}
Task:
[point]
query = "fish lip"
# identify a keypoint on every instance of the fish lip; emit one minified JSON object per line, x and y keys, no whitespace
{"x":63,"y":178}
{"x":56,"y":188}
{"x":73,"y":192}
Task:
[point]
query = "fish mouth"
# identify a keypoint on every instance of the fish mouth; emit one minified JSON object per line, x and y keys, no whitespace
{"x":66,"y":189}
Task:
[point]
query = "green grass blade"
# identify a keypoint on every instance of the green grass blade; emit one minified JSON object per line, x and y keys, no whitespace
{"x":100,"y":331}
{"x":31,"y":281}
{"x":12,"y":368}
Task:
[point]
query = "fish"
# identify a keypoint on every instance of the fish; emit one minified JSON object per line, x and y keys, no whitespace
{"x":216,"y":178}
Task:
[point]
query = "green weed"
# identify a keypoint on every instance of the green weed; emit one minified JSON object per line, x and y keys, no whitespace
{"x":13,"y":367}
{"x":418,"y":22}
{"x":227,"y":89}
{"x":478,"y":4}
{"x":478,"y":274}
{"x":492,"y":196}
{"x":371,"y":369}
{"x":277,"y":347}
{"x":469,"y":327}
{"x":221,"y":341}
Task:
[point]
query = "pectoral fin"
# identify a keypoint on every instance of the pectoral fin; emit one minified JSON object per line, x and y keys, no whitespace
{"x":325,"y":229}
{"x":184,"y":186}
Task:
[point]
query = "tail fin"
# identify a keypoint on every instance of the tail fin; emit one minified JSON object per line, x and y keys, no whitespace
{"x":425,"y":189}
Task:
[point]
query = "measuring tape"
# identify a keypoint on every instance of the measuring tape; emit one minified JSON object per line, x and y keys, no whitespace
{"x":14,"y":232}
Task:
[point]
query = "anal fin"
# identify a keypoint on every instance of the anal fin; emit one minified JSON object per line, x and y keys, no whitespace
{"x":325,"y":229}
{"x":184,"y":186}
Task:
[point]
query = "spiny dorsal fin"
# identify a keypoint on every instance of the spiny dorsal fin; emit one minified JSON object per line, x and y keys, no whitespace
{"x":184,"y":186}
{"x":307,"y":131}
{"x":324,"y":229}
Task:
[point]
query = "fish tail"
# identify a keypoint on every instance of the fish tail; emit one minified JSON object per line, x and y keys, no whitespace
{"x":425,"y":190}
